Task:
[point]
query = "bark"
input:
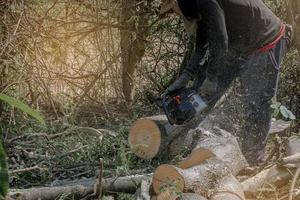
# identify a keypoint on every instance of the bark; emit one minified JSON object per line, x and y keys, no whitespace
{"x":229,"y":188}
{"x":222,"y":144}
{"x":143,"y":193}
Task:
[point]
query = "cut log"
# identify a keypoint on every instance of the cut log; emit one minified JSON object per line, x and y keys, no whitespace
{"x":151,"y":136}
{"x":200,"y":179}
{"x":148,"y":135}
{"x":220,"y":143}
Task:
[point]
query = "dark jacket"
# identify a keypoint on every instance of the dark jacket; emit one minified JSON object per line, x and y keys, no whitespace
{"x":239,"y":25}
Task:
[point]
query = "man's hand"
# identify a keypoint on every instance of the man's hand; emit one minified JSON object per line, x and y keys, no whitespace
{"x":179,"y":83}
{"x":209,"y":87}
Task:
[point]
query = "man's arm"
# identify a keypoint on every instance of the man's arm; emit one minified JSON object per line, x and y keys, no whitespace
{"x":212,"y":30}
{"x":198,"y":58}
{"x":192,"y":68}
{"x":214,"y":20}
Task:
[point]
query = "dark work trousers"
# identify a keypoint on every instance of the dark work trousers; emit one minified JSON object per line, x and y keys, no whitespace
{"x":258,"y":75}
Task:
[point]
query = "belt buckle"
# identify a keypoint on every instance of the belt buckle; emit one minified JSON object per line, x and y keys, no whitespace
{"x":289,"y":34}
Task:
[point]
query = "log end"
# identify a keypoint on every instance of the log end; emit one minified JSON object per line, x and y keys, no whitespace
{"x":167,"y":195}
{"x":167,"y":176}
{"x":145,"y":138}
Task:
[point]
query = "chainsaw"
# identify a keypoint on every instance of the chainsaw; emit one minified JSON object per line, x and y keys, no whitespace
{"x":182,"y":105}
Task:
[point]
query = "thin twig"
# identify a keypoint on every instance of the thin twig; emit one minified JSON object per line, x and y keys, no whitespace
{"x":99,"y":186}
{"x":297,"y":173}
{"x":24,"y":170}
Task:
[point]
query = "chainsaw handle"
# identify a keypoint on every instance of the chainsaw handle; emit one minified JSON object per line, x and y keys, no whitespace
{"x":164,"y":106}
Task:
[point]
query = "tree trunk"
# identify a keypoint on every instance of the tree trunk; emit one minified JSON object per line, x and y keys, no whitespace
{"x":132,"y":42}
{"x":293,"y":8}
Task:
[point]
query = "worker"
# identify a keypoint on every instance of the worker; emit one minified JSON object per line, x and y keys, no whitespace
{"x":248,"y":35}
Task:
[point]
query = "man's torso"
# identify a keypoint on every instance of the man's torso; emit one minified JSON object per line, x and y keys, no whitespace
{"x":250,"y":24}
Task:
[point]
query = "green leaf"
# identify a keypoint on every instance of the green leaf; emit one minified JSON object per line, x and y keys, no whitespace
{"x":284,"y":112}
{"x":291,"y":115}
{"x":23,"y":107}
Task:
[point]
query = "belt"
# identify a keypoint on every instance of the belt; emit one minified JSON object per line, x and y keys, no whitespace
{"x":272,"y":44}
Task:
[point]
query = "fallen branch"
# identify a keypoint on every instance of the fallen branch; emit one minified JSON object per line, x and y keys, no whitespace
{"x":72,"y":130}
{"x":128,"y":184}
{"x":276,"y":175}
{"x":293,"y":159}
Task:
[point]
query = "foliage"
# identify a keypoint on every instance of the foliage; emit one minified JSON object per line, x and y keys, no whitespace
{"x":3,"y":166}
{"x":23,"y":107}
{"x":289,"y":84}
{"x":280,"y":111}
{"x":3,"y":173}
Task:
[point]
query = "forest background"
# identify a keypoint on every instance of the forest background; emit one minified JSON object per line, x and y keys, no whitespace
{"x":93,"y":63}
